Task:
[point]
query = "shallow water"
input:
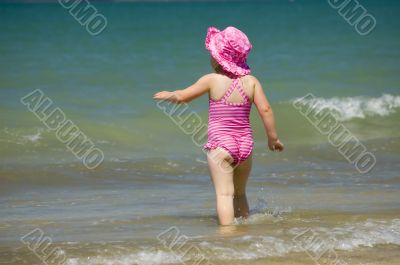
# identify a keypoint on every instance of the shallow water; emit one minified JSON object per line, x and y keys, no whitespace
{"x":307,"y":204}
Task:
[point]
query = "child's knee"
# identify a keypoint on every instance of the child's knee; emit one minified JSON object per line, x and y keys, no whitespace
{"x":226,"y":192}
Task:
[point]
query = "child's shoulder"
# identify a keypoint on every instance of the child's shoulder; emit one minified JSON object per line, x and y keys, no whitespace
{"x":209,"y":77}
{"x":253,"y":81}
{"x":251,"y":78}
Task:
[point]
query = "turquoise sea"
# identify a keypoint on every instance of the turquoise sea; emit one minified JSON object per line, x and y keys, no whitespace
{"x":154,"y":175}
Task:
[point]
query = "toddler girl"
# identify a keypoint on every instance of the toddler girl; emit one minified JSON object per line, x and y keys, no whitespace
{"x":231,"y":91}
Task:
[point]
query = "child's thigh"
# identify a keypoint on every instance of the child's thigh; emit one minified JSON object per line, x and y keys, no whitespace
{"x":221,"y":170}
{"x":220,"y":157}
{"x":241,"y":174}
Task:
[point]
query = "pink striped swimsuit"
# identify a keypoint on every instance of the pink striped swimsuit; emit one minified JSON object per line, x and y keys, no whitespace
{"x":229,"y":125}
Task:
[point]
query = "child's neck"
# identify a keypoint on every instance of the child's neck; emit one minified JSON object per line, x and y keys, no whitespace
{"x":223,"y":72}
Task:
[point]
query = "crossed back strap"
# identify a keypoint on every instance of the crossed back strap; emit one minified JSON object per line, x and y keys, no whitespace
{"x":235,"y":84}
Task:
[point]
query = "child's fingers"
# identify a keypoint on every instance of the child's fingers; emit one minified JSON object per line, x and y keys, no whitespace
{"x":158,"y":95}
{"x":278,"y":146}
{"x":271,"y":147}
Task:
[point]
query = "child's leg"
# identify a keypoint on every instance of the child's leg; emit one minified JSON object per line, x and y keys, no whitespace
{"x":222,"y":177}
{"x":240,"y":176}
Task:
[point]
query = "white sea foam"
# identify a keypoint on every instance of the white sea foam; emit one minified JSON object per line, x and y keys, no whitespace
{"x":351,"y":236}
{"x":368,"y":234}
{"x":348,"y":108}
{"x":33,"y":137}
{"x":14,"y":136}
{"x":348,"y":237}
{"x":140,"y":258}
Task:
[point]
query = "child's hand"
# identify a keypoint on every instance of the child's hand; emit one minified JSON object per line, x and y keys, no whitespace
{"x":275,"y":145}
{"x":164,"y":95}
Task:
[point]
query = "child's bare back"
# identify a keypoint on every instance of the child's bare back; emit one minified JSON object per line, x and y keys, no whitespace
{"x":220,"y":83}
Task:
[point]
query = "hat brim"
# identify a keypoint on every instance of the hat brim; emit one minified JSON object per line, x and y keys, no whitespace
{"x":237,"y":69}
{"x":211,"y":31}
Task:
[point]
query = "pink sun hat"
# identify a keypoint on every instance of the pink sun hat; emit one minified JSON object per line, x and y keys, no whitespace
{"x":229,"y":48}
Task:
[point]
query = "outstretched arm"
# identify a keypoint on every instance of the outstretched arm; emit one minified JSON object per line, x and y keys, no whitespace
{"x":188,"y":94}
{"x":267,"y":117}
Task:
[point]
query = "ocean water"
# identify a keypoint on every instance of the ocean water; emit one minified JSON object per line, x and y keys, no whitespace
{"x":153,"y":185}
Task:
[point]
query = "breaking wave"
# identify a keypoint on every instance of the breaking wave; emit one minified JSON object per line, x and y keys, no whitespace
{"x":347,"y":108}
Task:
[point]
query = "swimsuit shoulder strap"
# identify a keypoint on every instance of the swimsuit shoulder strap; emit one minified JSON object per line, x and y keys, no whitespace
{"x":230,"y":90}
{"x":241,"y":91}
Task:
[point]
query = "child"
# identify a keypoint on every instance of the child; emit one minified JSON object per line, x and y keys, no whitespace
{"x":231,"y":91}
